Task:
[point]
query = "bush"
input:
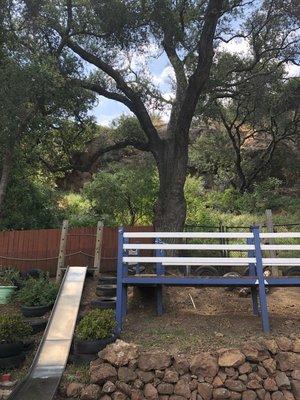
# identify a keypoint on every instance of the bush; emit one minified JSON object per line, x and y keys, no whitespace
{"x":38,"y":292}
{"x":96,"y":325}
{"x":13,"y":328}
{"x":9,"y":276}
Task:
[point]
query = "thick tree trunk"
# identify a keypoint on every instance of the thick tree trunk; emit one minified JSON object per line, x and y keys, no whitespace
{"x":5,"y":176}
{"x":170,"y":207}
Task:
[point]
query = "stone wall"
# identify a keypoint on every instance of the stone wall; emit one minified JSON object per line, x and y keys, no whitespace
{"x":268,"y":370}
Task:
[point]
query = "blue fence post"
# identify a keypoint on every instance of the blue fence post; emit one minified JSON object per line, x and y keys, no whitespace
{"x":252,"y":272}
{"x":125,"y":274}
{"x":261,"y":281}
{"x":120,"y":275}
{"x":160,"y":270}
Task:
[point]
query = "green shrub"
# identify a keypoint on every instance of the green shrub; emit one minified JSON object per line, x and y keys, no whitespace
{"x":13,"y":328}
{"x":96,"y":325}
{"x":8,"y":276}
{"x":38,"y":292}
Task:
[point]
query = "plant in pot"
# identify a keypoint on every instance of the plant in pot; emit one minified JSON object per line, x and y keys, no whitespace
{"x":8,"y":279}
{"x":13,"y":331}
{"x":37,"y":297}
{"x":95,"y":330}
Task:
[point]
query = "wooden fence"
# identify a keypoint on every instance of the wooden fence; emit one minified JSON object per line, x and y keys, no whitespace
{"x":39,"y":248}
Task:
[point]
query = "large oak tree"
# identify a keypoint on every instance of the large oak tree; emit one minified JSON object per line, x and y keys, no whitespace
{"x":112,"y":42}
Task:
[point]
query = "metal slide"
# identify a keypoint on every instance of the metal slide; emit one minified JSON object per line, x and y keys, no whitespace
{"x":51,"y":358}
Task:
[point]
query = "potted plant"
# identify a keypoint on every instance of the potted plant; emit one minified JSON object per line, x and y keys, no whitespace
{"x":37,"y":296}
{"x":95,"y":331}
{"x":13,"y":330}
{"x":8,"y":278}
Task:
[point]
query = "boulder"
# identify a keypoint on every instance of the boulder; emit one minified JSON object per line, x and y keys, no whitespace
{"x":205,"y":390}
{"x":254,"y":384}
{"x":296,"y":374}
{"x":235,"y":385}
{"x":181,"y":364}
{"x":150,"y":392}
{"x":74,"y":389}
{"x":126,"y":374}
{"x":221,"y":393}
{"x":145,"y":376}
{"x":136,"y":394}
{"x":287,"y":361}
{"x":182,"y":389}
{"x":90,"y":392}
{"x":165,"y":388}
{"x":119,"y":353}
{"x":296,"y":389}
{"x":277,"y":395}
{"x":123,"y":387}
{"x":108,"y":387}
{"x":270,"y":385}
{"x":171,"y":376}
{"x":284,"y":343}
{"x":245,"y":368}
{"x":271,"y":345}
{"x":231,"y":358}
{"x":296,"y":347}
{"x":204,"y":364}
{"x":249,"y":395}
{"x":154,"y":360}
{"x":102,"y":373}
{"x":118,"y":396}
{"x":282,"y":380}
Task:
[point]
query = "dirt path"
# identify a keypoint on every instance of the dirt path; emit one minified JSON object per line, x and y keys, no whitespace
{"x":221,"y":319}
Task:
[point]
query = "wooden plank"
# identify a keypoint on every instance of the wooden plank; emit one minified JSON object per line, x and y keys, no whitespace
{"x":62,"y":250}
{"x":272,"y":252}
{"x":203,"y":235}
{"x":98,"y":248}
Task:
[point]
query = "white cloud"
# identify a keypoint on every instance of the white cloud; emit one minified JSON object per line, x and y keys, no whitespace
{"x":238,"y":46}
{"x":292,"y":70}
{"x":166,"y":75}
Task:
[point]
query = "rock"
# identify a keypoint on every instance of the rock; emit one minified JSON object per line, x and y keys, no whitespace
{"x":182,"y":389}
{"x":254,"y":377}
{"x":296,"y":347}
{"x":204,"y":364}
{"x":133,"y":364}
{"x":193,"y":385}
{"x":267,"y":396}
{"x":4,"y":393}
{"x":154,"y":360}
{"x":74,"y":389}
{"x":231,"y":372}
{"x":118,"y":396}
{"x":243,"y":378}
{"x":146,"y":377}
{"x":105,"y":397}
{"x":102,"y":373}
{"x":205,"y":390}
{"x":296,"y":374}
{"x":181,"y":364}
{"x":254,"y":384}
{"x":284,"y":343}
{"x":171,"y":376}
{"x":108,"y":387}
{"x":123,"y":387}
{"x":165,"y":388}
{"x":136,"y":394}
{"x":277,"y":395}
{"x":90,"y":392}
{"x":126,"y":374}
{"x":288,"y":395}
{"x":231,"y":358}
{"x":261,"y":371}
{"x":245,"y":368}
{"x":270,"y":385}
{"x":235,"y":396}
{"x":119,"y":353}
{"x":159,"y":374}
{"x":235,"y":385}
{"x":187,"y":377}
{"x":270,"y":365}
{"x":221,"y":393}
{"x":271,"y":345}
{"x":255,"y":352}
{"x":138,"y":384}
{"x":150,"y":392}
{"x":296,"y":389}
{"x":249,"y":395}
{"x":287,"y":361}
{"x":217,"y":382}
{"x":175,"y":397}
{"x":282,"y":380}
{"x":261,"y":393}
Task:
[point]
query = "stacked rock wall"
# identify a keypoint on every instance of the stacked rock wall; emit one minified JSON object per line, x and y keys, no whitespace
{"x":265,"y":370}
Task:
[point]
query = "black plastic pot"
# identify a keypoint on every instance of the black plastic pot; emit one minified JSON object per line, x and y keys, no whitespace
{"x":107,"y":280}
{"x":28,"y":345}
{"x":79,"y":359}
{"x":10,"y":349}
{"x":37,"y":311}
{"x":12,"y":362}
{"x":106,"y":290}
{"x":92,"y":347}
{"x":37,"y":324}
{"x":104,"y":303}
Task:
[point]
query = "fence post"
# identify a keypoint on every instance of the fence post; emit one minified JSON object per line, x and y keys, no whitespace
{"x":160,"y":270}
{"x":62,"y":250}
{"x":270,"y":228}
{"x":120,"y":286}
{"x":261,"y":281}
{"x":98,"y":248}
{"x":252,"y":272}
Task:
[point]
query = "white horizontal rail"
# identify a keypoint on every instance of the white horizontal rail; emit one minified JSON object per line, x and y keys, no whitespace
{"x":203,"y":235}
{"x":279,"y":235}
{"x":164,"y":246}
{"x":281,"y":261}
{"x":192,"y":260}
{"x":294,"y":247}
